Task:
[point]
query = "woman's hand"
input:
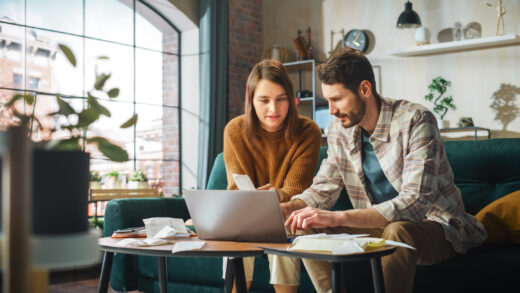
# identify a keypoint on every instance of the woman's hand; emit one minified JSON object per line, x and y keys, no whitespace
{"x":268,"y":186}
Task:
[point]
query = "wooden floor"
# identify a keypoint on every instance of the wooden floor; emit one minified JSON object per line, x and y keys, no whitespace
{"x":83,"y":286}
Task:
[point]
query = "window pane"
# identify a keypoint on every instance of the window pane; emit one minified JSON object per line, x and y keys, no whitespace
{"x":12,"y":11}
{"x":157,"y":145}
{"x":47,"y":63}
{"x":157,"y":78}
{"x":119,"y":64}
{"x":109,"y":127}
{"x":59,"y":15}
{"x":153,"y":32}
{"x":11,"y":56}
{"x":110,"y":20}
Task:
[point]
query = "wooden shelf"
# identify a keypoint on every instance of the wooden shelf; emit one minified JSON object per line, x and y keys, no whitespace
{"x":457,"y":46}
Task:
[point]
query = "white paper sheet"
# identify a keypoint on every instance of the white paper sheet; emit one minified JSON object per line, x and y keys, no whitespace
{"x":187,"y":245}
{"x":243,"y":182}
{"x":131,"y":242}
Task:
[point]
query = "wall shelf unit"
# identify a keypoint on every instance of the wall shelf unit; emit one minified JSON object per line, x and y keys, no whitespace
{"x":458,"y":46}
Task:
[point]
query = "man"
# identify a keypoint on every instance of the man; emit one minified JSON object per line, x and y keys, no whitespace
{"x":390,"y":157}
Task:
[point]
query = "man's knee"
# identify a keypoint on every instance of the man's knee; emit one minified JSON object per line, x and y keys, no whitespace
{"x":398,"y":231}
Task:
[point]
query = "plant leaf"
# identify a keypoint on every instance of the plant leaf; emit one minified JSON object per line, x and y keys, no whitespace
{"x":65,"y":108}
{"x":67,"y":144}
{"x":68,"y":53}
{"x":111,"y":151}
{"x":29,"y":99}
{"x":102,"y":57}
{"x":101,"y":80}
{"x":13,"y":100}
{"x":113,"y":93}
{"x":131,"y":122}
{"x":87,"y":117}
{"x":95,"y":105}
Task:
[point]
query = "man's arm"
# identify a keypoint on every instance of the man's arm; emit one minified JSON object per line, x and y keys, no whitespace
{"x":317,"y":218}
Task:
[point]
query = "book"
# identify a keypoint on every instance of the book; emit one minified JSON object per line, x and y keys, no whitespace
{"x":134,"y":232}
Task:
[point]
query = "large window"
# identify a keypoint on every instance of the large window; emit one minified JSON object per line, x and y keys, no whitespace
{"x":142,"y":50}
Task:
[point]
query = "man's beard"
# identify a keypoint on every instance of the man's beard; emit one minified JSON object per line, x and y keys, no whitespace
{"x":355,"y":115}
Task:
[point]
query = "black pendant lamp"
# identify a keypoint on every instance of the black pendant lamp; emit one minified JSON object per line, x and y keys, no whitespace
{"x":408,"y":18}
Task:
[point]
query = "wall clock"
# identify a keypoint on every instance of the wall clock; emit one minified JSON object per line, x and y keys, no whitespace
{"x":356,"y":39}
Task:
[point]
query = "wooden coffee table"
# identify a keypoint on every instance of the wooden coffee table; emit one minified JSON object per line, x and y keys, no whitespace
{"x":337,"y":260}
{"x":234,"y":271}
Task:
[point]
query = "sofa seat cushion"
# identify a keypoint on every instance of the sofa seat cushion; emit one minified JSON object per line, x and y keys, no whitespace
{"x":501,"y":219}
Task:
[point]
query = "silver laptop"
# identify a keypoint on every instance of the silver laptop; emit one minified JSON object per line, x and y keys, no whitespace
{"x":233,"y":215}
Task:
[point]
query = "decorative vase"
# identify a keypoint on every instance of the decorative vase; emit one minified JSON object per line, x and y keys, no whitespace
{"x":95,"y":185}
{"x":422,"y":36}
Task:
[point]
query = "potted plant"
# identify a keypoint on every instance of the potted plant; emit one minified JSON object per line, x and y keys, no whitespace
{"x":95,"y":180}
{"x":441,"y":103}
{"x":65,"y":158}
{"x":113,"y":181}
{"x":137,"y":180}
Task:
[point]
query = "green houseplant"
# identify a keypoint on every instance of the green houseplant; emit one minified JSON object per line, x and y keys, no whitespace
{"x":65,"y":158}
{"x":95,"y":180}
{"x":113,"y":179}
{"x":441,"y":103}
{"x":137,"y":180}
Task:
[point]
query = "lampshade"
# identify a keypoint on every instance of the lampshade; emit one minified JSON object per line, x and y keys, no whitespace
{"x":408,"y":18}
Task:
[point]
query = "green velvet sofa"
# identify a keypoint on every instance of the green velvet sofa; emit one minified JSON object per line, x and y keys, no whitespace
{"x":484,"y":171}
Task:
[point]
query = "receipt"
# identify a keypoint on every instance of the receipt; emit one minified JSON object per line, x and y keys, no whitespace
{"x":187,"y":245}
{"x":243,"y":182}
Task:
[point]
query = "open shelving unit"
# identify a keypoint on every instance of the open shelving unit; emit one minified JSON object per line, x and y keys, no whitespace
{"x":458,"y":46}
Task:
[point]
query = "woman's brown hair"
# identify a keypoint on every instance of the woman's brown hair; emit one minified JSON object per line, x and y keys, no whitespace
{"x":272,"y":70}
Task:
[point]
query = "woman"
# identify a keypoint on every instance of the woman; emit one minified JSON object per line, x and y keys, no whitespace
{"x":276,"y":148}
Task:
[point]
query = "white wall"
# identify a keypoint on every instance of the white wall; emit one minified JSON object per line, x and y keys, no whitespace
{"x":475,"y":75}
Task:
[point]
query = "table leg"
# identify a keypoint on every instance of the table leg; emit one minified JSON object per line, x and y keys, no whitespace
{"x":238,"y":274}
{"x":377,"y":275}
{"x":230,"y":277}
{"x":337,"y":278}
{"x":106,"y":269}
{"x":163,"y":277}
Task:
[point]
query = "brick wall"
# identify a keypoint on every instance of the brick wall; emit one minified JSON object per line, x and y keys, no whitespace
{"x":170,"y":125}
{"x":244,"y":49}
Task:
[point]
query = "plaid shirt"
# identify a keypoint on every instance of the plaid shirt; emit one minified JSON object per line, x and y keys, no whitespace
{"x":411,"y":152}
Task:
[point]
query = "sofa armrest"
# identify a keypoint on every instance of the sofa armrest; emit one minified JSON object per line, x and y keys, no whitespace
{"x":124,"y":213}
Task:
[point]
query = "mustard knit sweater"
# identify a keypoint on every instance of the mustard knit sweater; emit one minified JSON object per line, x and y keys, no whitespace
{"x":289,"y":167}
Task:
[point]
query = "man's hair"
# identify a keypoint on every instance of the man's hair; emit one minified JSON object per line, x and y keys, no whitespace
{"x":349,"y":67}
{"x":272,"y":70}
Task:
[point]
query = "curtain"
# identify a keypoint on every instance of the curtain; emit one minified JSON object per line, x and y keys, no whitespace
{"x":213,"y":84}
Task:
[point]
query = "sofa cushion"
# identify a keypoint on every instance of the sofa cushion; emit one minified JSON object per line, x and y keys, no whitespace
{"x":501,"y":219}
{"x":484,"y":170}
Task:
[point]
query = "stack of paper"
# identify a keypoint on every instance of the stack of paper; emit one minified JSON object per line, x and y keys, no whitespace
{"x":165,"y":228}
{"x":340,"y":243}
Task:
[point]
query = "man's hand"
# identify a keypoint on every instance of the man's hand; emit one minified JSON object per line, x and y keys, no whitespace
{"x":269,"y":186}
{"x":313,"y":218}
{"x":291,"y":206}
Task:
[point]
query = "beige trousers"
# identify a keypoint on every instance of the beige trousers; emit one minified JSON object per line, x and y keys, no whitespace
{"x":284,"y":270}
{"x":399,"y":267}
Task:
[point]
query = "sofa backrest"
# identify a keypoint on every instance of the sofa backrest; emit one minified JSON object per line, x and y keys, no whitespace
{"x":484,"y":171}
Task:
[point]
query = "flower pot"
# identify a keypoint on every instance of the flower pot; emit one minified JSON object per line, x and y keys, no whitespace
{"x":443,"y":123}
{"x":114,"y":185}
{"x":60,"y":208}
{"x":95,"y":185}
{"x":137,"y":185}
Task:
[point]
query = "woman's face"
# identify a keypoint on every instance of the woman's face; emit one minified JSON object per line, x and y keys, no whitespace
{"x":271,"y":105}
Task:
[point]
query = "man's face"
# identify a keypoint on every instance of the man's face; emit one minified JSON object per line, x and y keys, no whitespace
{"x":349,"y":107}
